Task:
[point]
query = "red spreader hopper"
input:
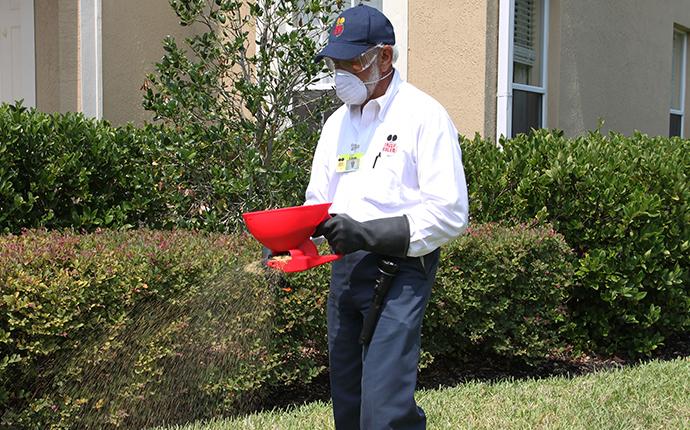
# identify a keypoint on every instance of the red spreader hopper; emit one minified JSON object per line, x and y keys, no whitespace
{"x":290,"y":230}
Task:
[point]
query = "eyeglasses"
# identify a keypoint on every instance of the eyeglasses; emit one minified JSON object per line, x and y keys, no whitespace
{"x":355,"y":65}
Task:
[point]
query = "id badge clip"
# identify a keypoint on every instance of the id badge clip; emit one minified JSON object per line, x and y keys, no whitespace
{"x":349,"y":162}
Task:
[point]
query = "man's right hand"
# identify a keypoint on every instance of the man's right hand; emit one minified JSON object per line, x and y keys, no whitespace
{"x":267,"y":254}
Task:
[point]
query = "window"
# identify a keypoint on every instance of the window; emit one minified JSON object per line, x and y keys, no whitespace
{"x":678,"y":72}
{"x":378,"y":4}
{"x":529,"y":60}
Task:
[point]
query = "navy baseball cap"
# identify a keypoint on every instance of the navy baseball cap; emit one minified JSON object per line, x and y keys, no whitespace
{"x":357,"y":29}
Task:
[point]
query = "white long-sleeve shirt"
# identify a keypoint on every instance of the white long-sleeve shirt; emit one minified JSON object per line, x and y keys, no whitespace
{"x":411,"y":165}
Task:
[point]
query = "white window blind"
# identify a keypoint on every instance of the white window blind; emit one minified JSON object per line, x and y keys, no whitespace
{"x":524,"y":49}
{"x":677,"y":70}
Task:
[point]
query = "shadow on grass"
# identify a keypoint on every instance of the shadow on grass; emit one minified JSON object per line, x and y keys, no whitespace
{"x":444,"y":373}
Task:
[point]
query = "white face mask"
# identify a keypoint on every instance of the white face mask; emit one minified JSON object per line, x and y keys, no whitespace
{"x":351,"y":90}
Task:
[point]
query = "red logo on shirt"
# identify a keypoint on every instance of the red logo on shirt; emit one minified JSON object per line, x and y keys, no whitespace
{"x":390,"y":146}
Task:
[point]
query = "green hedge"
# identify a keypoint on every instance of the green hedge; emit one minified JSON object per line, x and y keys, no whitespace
{"x":499,"y":290}
{"x":622,"y":203}
{"x":64,"y":170}
{"x":68,"y":171}
{"x":131,"y":328}
{"x":139,"y":328}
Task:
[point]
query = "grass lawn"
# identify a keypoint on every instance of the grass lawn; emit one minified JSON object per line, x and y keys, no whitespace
{"x":654,"y":395}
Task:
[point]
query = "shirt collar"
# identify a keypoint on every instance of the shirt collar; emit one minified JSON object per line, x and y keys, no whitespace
{"x":385,"y":100}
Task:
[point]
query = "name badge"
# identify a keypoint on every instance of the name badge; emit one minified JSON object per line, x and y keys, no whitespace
{"x":349,"y":162}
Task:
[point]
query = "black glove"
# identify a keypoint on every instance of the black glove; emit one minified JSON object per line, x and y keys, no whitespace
{"x":385,"y":236}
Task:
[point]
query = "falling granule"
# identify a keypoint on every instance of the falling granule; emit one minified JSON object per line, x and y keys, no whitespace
{"x":281,"y":258}
{"x":255,"y":268}
{"x":184,"y":359}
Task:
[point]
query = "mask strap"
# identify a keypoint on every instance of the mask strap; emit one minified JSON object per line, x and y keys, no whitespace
{"x":379,"y":79}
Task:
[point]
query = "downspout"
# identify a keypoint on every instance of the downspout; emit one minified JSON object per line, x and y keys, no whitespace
{"x":504,"y":104}
{"x":29,"y":55}
{"x":90,"y":62}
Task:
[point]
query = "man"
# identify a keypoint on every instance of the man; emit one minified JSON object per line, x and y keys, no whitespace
{"x":390,"y":162}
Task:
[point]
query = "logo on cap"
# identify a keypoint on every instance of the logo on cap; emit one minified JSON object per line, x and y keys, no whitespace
{"x":339,"y":27}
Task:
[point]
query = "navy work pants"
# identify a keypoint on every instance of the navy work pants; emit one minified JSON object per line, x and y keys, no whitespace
{"x":372,"y":387}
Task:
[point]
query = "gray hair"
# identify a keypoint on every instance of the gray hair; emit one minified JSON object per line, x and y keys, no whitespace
{"x":395,"y":53}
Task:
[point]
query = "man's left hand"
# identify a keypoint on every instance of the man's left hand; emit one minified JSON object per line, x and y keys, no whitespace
{"x":343,"y":233}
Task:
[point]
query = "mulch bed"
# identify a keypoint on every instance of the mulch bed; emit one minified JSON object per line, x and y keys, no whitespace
{"x":444,"y":373}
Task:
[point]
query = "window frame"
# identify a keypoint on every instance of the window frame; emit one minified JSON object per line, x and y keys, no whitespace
{"x":506,"y":44}
{"x":683,"y":74}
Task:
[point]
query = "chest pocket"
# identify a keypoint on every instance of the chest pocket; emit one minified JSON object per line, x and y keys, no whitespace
{"x":383,"y":183}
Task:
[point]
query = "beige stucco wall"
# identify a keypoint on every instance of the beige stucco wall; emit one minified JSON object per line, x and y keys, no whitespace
{"x":448,"y":48}
{"x":615,"y":64}
{"x":686,"y":131}
{"x":606,"y":60}
{"x":132,"y":36}
{"x":56,"y":35}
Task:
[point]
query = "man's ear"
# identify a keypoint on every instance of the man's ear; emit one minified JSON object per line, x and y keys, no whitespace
{"x":386,"y":58}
